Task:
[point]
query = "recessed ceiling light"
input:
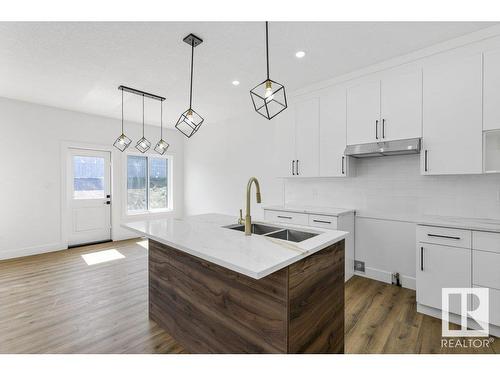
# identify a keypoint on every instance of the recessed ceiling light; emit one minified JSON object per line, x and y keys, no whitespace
{"x":300,"y":54}
{"x":236,"y":83}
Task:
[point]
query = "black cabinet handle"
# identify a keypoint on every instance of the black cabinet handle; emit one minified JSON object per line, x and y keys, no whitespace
{"x":441,"y":236}
{"x":322,"y":221}
{"x":383,"y":128}
{"x":421,"y":259}
{"x":376,"y":129}
{"x":425,"y":161}
{"x":343,"y":158}
{"x":298,"y":168}
{"x":293,"y":167}
{"x":285,"y":217}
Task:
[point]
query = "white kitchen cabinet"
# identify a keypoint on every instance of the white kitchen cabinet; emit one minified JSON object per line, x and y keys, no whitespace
{"x":332,"y":133}
{"x":452,"y":117}
{"x":438,"y":267}
{"x":494,"y":306}
{"x":307,"y":138}
{"x":284,"y":143}
{"x":491,"y":90}
{"x":401,"y":105}
{"x":363,"y":112}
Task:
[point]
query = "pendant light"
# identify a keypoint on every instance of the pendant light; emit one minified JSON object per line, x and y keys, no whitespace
{"x":268,"y":97}
{"x":143,"y":144}
{"x":162,"y":146}
{"x":122,"y":142}
{"x":190,"y":121}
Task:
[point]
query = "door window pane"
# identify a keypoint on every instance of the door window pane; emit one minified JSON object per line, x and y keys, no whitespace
{"x":136,"y":183}
{"x":158,"y":183}
{"x":88,"y":177}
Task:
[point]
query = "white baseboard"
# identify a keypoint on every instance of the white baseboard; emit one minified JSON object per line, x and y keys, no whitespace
{"x":33,"y":250}
{"x":386,"y":277}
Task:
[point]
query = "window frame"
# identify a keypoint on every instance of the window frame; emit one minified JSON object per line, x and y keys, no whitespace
{"x":170,"y":192}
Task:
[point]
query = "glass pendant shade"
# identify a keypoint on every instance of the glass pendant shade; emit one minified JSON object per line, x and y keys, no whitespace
{"x":122,"y":142}
{"x":143,"y":145}
{"x":269,"y":98}
{"x":161,"y":147}
{"x":189,"y":122}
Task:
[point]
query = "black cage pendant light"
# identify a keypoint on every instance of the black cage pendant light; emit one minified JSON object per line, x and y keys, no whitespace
{"x":268,"y":97}
{"x":122,"y":142}
{"x":143,"y":144}
{"x":190,"y":121}
{"x":162,"y":146}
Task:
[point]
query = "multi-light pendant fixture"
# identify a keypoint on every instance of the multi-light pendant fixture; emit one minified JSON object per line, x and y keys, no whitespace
{"x":190,"y":121}
{"x":143,"y":144}
{"x":268,"y":97}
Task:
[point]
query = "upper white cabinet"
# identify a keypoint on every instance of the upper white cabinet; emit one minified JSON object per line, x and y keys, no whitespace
{"x":401,"y":106}
{"x":385,"y":109}
{"x":452,"y":117}
{"x":491,"y":99}
{"x":284,"y":142}
{"x":332,"y":133}
{"x":307,"y":138}
{"x":363,"y":112}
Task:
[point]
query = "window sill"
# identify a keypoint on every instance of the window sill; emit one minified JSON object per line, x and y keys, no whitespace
{"x":149,"y":213}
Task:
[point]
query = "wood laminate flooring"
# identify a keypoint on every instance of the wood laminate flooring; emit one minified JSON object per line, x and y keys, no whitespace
{"x":57,"y":303}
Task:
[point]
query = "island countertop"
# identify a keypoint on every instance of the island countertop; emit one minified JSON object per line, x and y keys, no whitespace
{"x":256,"y":256}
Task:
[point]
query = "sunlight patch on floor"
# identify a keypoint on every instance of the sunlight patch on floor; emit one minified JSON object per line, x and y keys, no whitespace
{"x":102,"y":256}
{"x":143,"y":243}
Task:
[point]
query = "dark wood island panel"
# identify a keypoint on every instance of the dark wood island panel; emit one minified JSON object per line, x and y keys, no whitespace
{"x":210,"y":309}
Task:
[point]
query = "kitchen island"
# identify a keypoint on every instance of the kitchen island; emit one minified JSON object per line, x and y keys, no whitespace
{"x":216,"y":290}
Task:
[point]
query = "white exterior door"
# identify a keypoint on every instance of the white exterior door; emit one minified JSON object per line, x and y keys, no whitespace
{"x":438,"y":267}
{"x":363,"y":113}
{"x":88,"y":196}
{"x":452,"y":118}
{"x":401,"y":106}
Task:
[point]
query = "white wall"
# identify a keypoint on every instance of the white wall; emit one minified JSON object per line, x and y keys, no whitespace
{"x":30,"y":188}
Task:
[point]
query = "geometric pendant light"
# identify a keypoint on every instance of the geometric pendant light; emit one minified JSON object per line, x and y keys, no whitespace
{"x":162,"y":146}
{"x":268,"y":97}
{"x":122,"y":142}
{"x":143,"y":144}
{"x":190,"y":121}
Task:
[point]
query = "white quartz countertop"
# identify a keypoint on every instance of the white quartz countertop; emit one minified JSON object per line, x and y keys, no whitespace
{"x":256,"y":256}
{"x":331,"y":211}
{"x":488,"y":225}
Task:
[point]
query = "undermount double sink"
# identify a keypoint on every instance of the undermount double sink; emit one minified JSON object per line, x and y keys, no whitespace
{"x":276,"y":232}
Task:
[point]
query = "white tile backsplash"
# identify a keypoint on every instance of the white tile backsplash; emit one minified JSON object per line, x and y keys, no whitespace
{"x":392,"y":187}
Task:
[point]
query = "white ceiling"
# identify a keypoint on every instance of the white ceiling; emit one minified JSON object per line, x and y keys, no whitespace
{"x":78,"y":66}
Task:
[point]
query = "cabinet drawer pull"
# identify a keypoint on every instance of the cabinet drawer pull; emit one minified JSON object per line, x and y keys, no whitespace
{"x":297,"y":167}
{"x":383,"y":128}
{"x":343,"y":170}
{"x":425,"y":161}
{"x":376,"y":129}
{"x":421,"y":259}
{"x":284,"y":217}
{"x":322,"y":221}
{"x":293,"y":167}
{"x":441,"y":236}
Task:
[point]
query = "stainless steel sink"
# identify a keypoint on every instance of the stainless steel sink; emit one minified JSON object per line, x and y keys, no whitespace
{"x":256,"y":228}
{"x":292,"y":235}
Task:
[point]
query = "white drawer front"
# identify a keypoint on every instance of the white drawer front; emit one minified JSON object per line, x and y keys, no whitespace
{"x":486,"y":241}
{"x":323,"y":221}
{"x":287,"y":217}
{"x":486,"y":269}
{"x":494,"y":306}
{"x":444,"y":236}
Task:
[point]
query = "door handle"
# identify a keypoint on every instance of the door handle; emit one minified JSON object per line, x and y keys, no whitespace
{"x":293,"y":167}
{"x":376,"y":129}
{"x":107,"y":202}
{"x":425,"y":161}
{"x":297,"y":167}
{"x":383,"y":128}
{"x":421,"y":258}
{"x":343,"y":171}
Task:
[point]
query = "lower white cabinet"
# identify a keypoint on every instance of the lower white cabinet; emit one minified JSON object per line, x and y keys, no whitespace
{"x":494,"y":305}
{"x":440,"y":266}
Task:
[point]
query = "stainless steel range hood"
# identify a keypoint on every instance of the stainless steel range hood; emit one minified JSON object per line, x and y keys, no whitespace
{"x":387,"y":148}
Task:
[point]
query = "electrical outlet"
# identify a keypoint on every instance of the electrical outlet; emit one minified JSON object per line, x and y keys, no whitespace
{"x":359,"y":266}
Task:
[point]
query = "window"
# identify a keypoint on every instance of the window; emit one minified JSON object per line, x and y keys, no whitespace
{"x":148,"y":185}
{"x":88,"y":177}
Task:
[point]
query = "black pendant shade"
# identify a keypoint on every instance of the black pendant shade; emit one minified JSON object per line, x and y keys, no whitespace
{"x":190,"y":121}
{"x":122,"y":142}
{"x":268,"y":97}
{"x":143,"y":144}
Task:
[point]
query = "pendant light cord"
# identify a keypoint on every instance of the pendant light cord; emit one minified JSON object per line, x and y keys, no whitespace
{"x":142,"y":115}
{"x":161,"y":119}
{"x":191,"y":87}
{"x":122,"y":111}
{"x":267,"y":50}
